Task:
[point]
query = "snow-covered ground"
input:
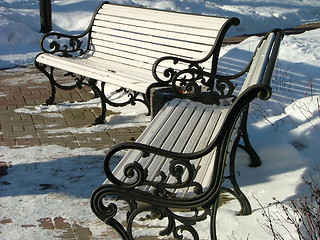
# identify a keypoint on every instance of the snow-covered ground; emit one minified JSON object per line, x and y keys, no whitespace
{"x":284,"y":130}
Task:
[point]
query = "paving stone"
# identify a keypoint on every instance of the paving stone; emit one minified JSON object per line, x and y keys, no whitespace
{"x":46,"y":223}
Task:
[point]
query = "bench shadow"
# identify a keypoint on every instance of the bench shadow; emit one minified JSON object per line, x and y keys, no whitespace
{"x":77,"y":176}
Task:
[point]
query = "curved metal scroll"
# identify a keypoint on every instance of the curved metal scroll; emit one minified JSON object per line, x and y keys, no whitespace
{"x":136,"y":176}
{"x":66,"y":45}
{"x":189,"y":83}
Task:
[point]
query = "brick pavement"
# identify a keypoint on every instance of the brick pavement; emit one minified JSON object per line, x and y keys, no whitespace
{"x":27,"y":87}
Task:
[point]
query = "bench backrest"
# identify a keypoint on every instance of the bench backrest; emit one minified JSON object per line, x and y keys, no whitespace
{"x":263,"y":61}
{"x":137,"y":37}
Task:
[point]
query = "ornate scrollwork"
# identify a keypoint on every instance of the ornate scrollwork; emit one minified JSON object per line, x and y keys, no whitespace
{"x":136,"y":172}
{"x":168,"y":74}
{"x":225,"y":88}
{"x":178,"y":225}
{"x":188,"y":83}
{"x":185,"y":83}
{"x":64,"y":44}
{"x":137,"y":176}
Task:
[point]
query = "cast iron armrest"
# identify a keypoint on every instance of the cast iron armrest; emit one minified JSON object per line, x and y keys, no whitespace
{"x":137,"y":171}
{"x":186,"y":82}
{"x":55,"y":42}
{"x":169,"y":73}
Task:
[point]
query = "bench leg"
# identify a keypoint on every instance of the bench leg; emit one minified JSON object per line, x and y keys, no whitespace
{"x":106,"y":212}
{"x":42,"y":68}
{"x":236,"y":191}
{"x":213,"y":218}
{"x":98,"y":93}
{"x":255,"y":159}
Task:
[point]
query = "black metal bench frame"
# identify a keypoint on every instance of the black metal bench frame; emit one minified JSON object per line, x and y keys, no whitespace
{"x":162,"y":202}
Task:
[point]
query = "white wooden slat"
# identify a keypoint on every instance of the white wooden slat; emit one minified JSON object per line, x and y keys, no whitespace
{"x":147,"y":136}
{"x":122,"y":63}
{"x":206,"y":136}
{"x":163,"y":34}
{"x":146,"y":53}
{"x":121,"y":60}
{"x":165,"y":137}
{"x":139,"y":60}
{"x":79,"y":67}
{"x":119,"y":64}
{"x":154,"y":135}
{"x":191,"y":20}
{"x":117,"y":80}
{"x":116,"y":63}
{"x":196,"y":121}
{"x":167,"y":128}
{"x":135,"y":58}
{"x":259,"y":62}
{"x":192,"y":137}
{"x":196,"y":127}
{"x":252,"y":68}
{"x":178,"y":137}
{"x":208,"y":161}
{"x":259,"y":66}
{"x":263,"y":59}
{"x":157,"y":123}
{"x":123,"y":69}
{"x":150,"y":41}
{"x":144,"y":26}
{"x":208,"y":164}
{"x":136,"y":73}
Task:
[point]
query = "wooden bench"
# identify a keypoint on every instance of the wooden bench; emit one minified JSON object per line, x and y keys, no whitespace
{"x":120,"y":48}
{"x":177,"y":165}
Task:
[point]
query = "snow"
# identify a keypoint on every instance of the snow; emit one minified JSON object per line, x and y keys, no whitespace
{"x":284,"y":130}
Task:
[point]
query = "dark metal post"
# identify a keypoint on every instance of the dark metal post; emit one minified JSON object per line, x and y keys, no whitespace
{"x":45,"y":16}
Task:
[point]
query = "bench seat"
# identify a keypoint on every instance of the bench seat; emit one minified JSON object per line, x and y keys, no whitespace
{"x":86,"y":66}
{"x":171,"y":130}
